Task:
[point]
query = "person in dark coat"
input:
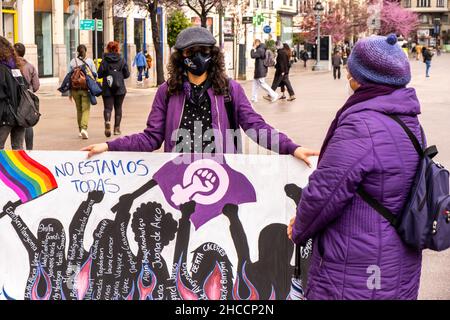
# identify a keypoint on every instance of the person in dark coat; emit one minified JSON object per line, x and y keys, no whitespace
{"x":337,"y":62}
{"x":113,"y":68}
{"x":286,"y":83}
{"x":259,"y":54}
{"x":281,"y":67}
{"x":9,"y":96}
{"x":427,"y":56}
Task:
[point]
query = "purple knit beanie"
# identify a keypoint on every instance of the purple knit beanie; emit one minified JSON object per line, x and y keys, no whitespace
{"x":379,"y":59}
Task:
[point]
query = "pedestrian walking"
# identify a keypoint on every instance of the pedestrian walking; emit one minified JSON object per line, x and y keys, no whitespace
{"x":281,"y":68}
{"x":336,"y":61}
{"x":304,"y":56}
{"x":199,"y":98}
{"x":427,"y":55}
{"x":414,"y":51}
{"x":81,"y":67}
{"x":357,"y":253}
{"x":31,"y":76}
{"x":149,"y":65}
{"x":286,"y":83}
{"x":345,"y":54}
{"x":113,"y":70}
{"x":10,"y":79}
{"x":140,"y":62}
{"x":263,"y":59}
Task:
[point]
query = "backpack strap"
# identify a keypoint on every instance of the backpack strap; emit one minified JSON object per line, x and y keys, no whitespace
{"x":411,"y":135}
{"x":375,"y":204}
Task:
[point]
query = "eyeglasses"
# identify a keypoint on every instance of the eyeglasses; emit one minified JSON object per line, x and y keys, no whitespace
{"x":189,"y":52}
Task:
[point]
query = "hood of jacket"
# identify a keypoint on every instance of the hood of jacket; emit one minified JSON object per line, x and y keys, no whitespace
{"x":112,"y":57}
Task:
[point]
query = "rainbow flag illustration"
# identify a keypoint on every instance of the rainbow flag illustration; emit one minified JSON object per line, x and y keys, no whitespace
{"x":27,"y":178}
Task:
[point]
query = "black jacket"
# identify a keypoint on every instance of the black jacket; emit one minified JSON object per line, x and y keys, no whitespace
{"x":259,"y":54}
{"x":9,"y":95}
{"x":427,"y":55}
{"x":282,"y":65}
{"x":110,"y":61}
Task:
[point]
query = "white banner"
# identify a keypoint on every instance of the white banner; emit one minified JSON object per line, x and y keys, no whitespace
{"x":147,"y":226}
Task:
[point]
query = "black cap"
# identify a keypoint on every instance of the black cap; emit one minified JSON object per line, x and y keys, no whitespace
{"x":194,"y":36}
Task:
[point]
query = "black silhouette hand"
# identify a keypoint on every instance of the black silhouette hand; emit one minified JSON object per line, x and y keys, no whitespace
{"x":187,"y":209}
{"x":96,"y":196}
{"x":9,"y":208}
{"x":231,"y":211}
{"x":294,"y":192}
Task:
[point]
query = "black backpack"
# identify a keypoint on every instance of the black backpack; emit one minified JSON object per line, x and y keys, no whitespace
{"x":27,"y":114}
{"x":114,"y":80}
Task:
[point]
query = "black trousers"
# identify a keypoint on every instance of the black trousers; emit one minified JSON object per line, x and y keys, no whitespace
{"x":115,"y":102}
{"x":282,"y":81}
{"x":338,"y":71}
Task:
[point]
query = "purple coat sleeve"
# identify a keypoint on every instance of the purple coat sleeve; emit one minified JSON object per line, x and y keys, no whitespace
{"x":153,"y":136}
{"x":347,"y":159}
{"x":255,"y":127}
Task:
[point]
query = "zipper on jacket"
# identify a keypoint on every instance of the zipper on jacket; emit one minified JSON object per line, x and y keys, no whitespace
{"x":436,"y":217}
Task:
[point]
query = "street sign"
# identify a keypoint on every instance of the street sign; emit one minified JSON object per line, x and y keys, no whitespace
{"x":267,"y":29}
{"x":99,"y":25}
{"x":247,"y":20}
{"x":88,"y":25}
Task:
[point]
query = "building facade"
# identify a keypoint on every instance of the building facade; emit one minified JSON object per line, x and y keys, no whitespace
{"x":434,"y":21}
{"x":50,"y":31}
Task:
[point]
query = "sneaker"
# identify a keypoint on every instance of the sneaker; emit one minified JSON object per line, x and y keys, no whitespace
{"x":276,"y":98}
{"x":107,"y":129}
{"x":117,"y":131}
{"x":291,"y":98}
{"x":254,"y":100}
{"x":282,"y":97}
{"x":84,"y":134}
{"x":268,"y":98}
{"x":79,"y":135}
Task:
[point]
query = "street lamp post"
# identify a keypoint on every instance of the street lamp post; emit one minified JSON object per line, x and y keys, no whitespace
{"x":318,"y":8}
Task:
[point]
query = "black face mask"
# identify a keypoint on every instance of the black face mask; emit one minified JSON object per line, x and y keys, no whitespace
{"x":197,"y":64}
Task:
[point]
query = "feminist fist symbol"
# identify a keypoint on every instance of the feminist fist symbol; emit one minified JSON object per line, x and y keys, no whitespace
{"x":204,"y":181}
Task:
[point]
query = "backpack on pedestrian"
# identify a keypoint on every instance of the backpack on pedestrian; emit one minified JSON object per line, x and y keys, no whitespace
{"x":424,"y":222}
{"x":269,"y":60}
{"x":27,"y":114}
{"x":114,"y":80}
{"x":78,"y":79}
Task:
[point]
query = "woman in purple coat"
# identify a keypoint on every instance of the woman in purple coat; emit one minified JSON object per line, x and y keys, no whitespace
{"x":195,"y":109}
{"x":357,"y":254}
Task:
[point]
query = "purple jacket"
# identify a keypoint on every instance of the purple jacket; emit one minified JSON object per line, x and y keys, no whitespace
{"x":354,"y":244}
{"x":165,"y":118}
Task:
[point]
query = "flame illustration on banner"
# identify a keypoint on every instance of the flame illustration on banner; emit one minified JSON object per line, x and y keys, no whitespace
{"x":131,"y":294}
{"x":27,"y":178}
{"x":7,"y":297}
{"x":47,"y":283}
{"x":184,"y":292}
{"x":208,"y":181}
{"x":212,"y":285}
{"x":146,"y":292}
{"x":254,"y":295}
{"x":82,"y":279}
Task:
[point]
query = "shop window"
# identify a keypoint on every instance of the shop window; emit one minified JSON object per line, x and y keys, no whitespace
{"x":43,"y":39}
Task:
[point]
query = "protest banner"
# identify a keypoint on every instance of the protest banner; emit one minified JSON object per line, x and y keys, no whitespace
{"x":149,"y":226}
